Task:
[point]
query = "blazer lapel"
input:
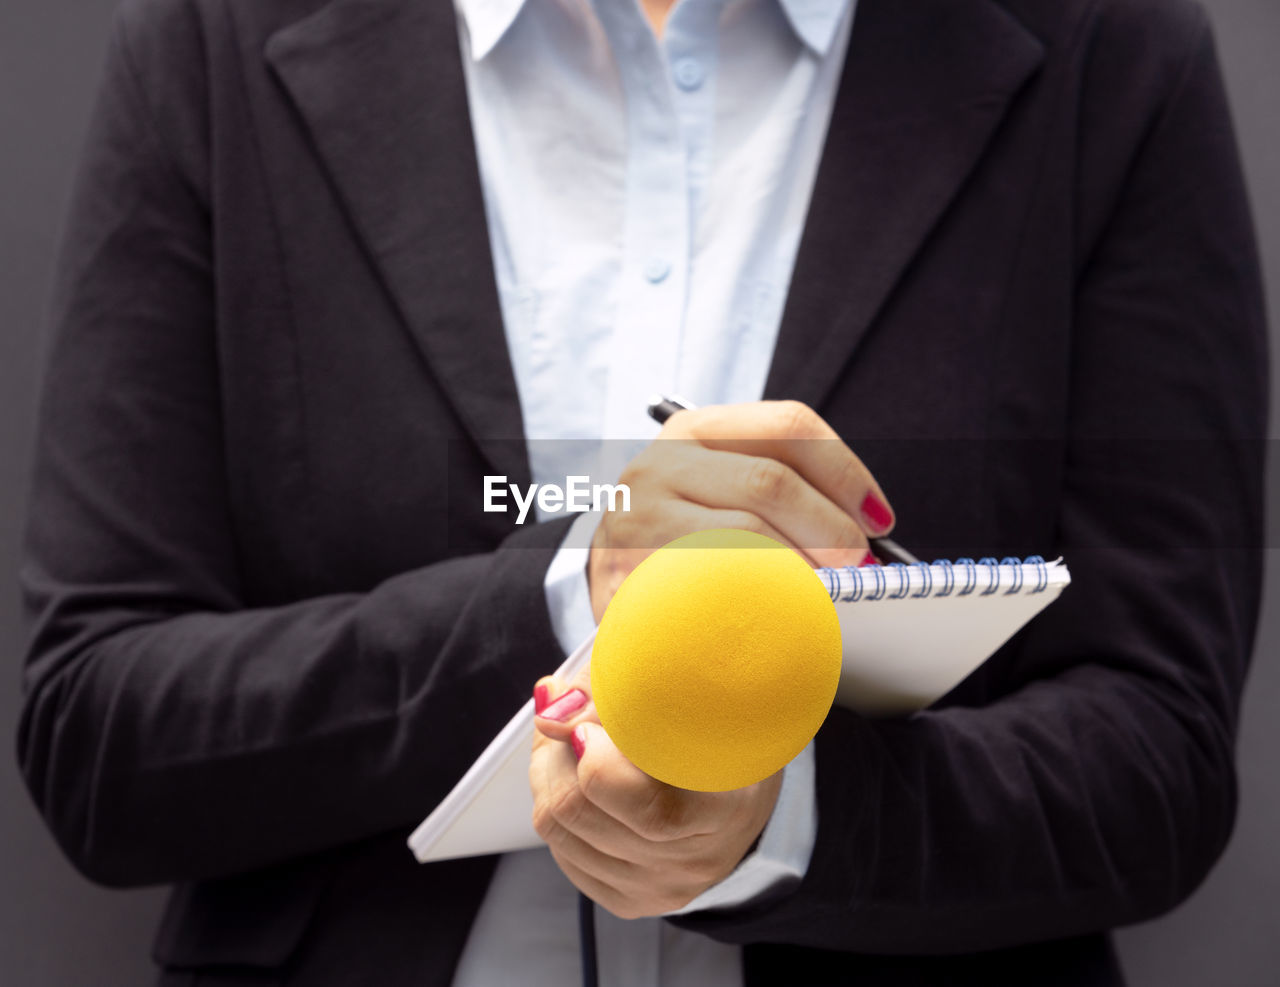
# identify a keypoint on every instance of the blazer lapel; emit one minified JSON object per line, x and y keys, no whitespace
{"x":925,"y":85}
{"x":381,"y":89}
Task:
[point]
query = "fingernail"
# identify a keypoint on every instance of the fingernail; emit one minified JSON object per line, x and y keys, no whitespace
{"x":869,"y":560}
{"x":876,"y":513}
{"x":565,"y":706}
{"x":579,"y":740}
{"x":541,"y":696}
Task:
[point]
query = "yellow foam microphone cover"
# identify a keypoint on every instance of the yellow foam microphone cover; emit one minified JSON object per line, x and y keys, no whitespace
{"x":717,"y":660}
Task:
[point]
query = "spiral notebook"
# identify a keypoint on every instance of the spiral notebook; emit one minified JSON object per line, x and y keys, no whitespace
{"x":910,"y":635}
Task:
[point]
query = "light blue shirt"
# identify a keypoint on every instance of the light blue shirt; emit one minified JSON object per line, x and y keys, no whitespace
{"x":645,"y":201}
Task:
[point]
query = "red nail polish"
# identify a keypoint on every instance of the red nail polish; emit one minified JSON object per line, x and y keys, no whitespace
{"x":869,"y":560}
{"x":579,"y":740}
{"x":541,"y":696}
{"x":565,"y":706}
{"x":876,"y":513}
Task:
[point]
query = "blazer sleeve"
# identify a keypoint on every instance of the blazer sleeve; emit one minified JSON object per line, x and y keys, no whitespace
{"x":171,"y":730}
{"x":1099,"y":788}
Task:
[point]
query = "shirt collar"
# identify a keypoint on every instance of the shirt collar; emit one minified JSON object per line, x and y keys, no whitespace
{"x":814,"y":21}
{"x":487,"y":21}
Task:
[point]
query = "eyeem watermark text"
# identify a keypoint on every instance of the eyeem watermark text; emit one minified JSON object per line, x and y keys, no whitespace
{"x":577,"y":496}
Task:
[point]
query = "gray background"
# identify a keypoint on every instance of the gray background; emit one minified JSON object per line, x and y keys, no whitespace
{"x":56,"y":929}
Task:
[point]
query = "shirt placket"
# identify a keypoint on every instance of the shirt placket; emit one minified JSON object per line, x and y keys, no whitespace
{"x":649,"y":319}
{"x":690,"y":46}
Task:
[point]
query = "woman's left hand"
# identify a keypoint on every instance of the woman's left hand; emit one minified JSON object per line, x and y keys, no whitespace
{"x":634,"y":845}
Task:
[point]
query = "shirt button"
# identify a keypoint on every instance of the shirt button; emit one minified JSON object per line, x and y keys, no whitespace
{"x":656,"y":270}
{"x":689,"y":74}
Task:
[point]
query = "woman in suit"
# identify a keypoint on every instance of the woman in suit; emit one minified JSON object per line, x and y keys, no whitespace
{"x":320,"y":280}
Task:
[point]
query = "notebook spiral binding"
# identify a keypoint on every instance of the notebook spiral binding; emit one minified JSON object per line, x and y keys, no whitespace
{"x":963,"y":577}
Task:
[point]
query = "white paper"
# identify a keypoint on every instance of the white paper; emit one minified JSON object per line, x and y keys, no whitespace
{"x":491,"y":809}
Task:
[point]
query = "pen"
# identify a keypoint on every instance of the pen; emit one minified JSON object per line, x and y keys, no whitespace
{"x":663,"y":406}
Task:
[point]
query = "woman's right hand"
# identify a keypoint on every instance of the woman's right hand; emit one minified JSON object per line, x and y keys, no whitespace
{"x":774,"y":467}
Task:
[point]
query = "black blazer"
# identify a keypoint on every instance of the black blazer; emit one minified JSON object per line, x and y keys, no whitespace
{"x":271,"y":626}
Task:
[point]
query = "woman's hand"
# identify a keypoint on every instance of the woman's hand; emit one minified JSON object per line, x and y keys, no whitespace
{"x":774,"y":467}
{"x":634,"y":845}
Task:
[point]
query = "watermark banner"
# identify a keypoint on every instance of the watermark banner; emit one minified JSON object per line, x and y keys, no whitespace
{"x":939,"y":497}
